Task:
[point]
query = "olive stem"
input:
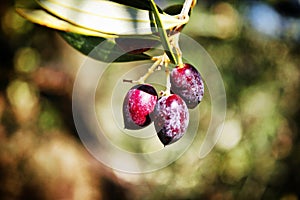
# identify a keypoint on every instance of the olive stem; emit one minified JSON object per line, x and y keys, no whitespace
{"x":168,"y":85}
{"x":188,"y":4}
{"x":128,"y":81}
{"x":165,"y":61}
{"x":151,"y":70}
{"x":175,"y":44}
{"x":141,"y":80}
{"x":162,"y":32}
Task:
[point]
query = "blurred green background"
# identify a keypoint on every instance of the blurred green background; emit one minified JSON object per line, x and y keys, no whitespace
{"x":255,"y":45}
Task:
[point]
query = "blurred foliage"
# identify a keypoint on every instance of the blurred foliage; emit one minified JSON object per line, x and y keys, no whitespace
{"x":257,"y":156}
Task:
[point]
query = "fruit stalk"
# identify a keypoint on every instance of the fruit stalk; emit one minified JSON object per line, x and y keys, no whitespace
{"x":149,"y":72}
{"x":162,"y":33}
{"x":151,"y":69}
{"x":168,"y":84}
{"x":188,"y":4}
{"x":175,"y":44}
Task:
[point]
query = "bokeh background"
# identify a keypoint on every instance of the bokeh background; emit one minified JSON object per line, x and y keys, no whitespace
{"x":255,"y":45}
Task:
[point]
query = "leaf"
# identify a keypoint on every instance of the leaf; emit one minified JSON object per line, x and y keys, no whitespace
{"x":173,"y":9}
{"x":43,"y":18}
{"x":107,"y":17}
{"x":86,"y":41}
{"x":112,"y":20}
{"x":107,"y":52}
{"x":140,"y":4}
{"x":162,"y":32}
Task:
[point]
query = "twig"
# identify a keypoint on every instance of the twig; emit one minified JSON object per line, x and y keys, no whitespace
{"x":188,"y":4}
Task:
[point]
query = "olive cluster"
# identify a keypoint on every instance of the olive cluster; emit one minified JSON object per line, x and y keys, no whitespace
{"x":169,"y":113}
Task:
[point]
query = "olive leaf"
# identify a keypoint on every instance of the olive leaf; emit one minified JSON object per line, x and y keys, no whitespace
{"x":141,"y":4}
{"x":107,"y":52}
{"x":106,"y":16}
{"x":173,"y":9}
{"x":43,"y":18}
{"x":162,"y":32}
{"x":84,"y":24}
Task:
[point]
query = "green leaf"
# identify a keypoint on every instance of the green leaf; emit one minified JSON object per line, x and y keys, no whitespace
{"x":140,"y":4}
{"x":87,"y":40}
{"x":109,"y":51}
{"x":86,"y":23}
{"x":43,"y":18}
{"x":173,"y":9}
{"x":107,"y":17}
{"x":162,"y":32}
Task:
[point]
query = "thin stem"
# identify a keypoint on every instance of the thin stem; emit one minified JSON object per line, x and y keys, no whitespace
{"x":158,"y":61}
{"x":175,"y":44}
{"x":188,"y":4}
{"x":128,"y":81}
{"x":168,"y":85}
{"x":162,"y":33}
{"x":151,"y":70}
{"x":184,"y":14}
